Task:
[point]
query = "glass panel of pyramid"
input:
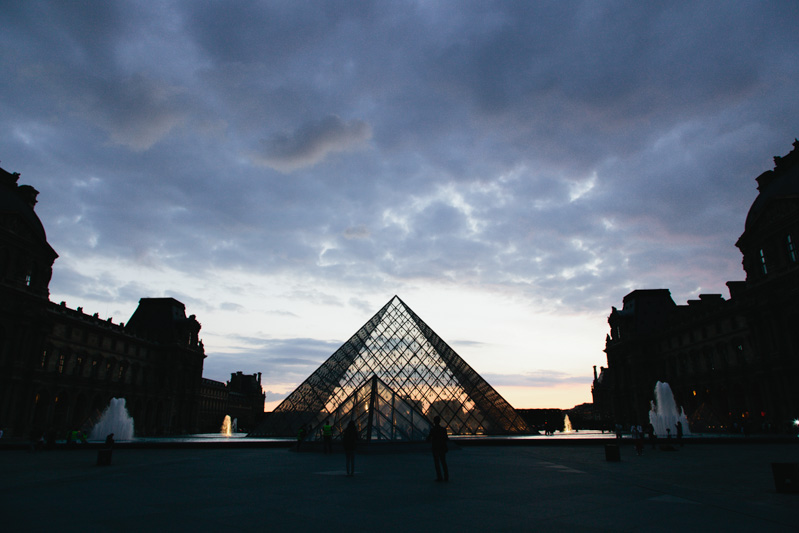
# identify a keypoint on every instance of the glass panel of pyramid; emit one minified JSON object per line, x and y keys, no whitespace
{"x":394,"y":359}
{"x":379,"y":413}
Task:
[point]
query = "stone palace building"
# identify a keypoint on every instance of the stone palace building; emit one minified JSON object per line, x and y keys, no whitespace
{"x":59,"y":367}
{"x":732,"y":364}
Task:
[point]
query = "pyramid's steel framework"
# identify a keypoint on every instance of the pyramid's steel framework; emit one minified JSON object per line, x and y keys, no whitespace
{"x":414,"y":376}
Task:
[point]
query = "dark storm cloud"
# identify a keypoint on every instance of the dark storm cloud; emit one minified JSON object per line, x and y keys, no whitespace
{"x":279,"y":360}
{"x":311,"y":143}
{"x":291,"y":351}
{"x":140,"y":113}
{"x":101,"y":287}
{"x":565,"y":152}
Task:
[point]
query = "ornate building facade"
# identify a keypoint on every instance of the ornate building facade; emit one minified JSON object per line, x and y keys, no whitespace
{"x":59,"y":367}
{"x":732,"y":364}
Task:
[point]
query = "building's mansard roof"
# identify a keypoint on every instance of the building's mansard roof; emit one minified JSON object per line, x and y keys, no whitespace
{"x":777,"y":184}
{"x":19,"y":200}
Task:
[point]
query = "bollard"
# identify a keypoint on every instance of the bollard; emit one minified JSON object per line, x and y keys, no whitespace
{"x":104,"y":457}
{"x":786,"y":477}
{"x":612,"y":453}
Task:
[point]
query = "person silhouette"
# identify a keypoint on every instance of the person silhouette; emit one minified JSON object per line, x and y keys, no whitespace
{"x":350,"y":439}
{"x":327,"y":437}
{"x":438,"y":439}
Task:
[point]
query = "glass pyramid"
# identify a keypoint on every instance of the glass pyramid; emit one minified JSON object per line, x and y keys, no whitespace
{"x":388,"y":377}
{"x":379,"y":414}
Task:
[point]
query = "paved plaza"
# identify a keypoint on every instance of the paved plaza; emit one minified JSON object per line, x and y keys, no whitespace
{"x":707,"y":487}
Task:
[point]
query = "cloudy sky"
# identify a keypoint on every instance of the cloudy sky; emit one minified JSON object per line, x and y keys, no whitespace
{"x":510,"y":169}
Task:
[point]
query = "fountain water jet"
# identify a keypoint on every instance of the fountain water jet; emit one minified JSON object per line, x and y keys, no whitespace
{"x":567,"y":425}
{"x":227,"y":427}
{"x":664,"y":414}
{"x":115,"y":419}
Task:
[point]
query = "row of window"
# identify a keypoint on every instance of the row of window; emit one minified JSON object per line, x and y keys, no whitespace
{"x":215,"y":404}
{"x":131,"y":349}
{"x":22,"y":270}
{"x":97,"y":367}
{"x":719,"y":357}
{"x":787,"y":255}
{"x":705,"y":332}
{"x":716,"y":358}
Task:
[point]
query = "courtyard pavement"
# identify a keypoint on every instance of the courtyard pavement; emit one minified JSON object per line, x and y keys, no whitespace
{"x":701,"y":487}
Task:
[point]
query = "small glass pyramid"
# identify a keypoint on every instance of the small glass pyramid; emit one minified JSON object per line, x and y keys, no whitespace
{"x":379,"y":414}
{"x":388,"y":377}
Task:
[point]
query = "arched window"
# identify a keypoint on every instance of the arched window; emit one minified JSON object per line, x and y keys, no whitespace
{"x":4,"y":261}
{"x":28,"y":278}
{"x":3,"y":351}
{"x":792,"y":257}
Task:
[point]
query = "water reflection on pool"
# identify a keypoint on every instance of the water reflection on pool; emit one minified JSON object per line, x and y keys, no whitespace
{"x":212,"y":437}
{"x":558,"y":435}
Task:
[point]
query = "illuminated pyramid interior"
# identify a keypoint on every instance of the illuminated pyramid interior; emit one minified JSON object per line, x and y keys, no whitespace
{"x":392,"y":377}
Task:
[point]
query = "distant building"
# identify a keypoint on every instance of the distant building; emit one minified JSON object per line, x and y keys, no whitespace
{"x":543,"y":420}
{"x":242,"y":398}
{"x":732,"y":364}
{"x":59,"y":367}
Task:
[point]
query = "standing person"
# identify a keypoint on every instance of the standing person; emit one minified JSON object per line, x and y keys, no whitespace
{"x":300,"y":436}
{"x":639,"y":440}
{"x":327,"y":437}
{"x":349,"y":439}
{"x":438,"y":438}
{"x":679,"y":432}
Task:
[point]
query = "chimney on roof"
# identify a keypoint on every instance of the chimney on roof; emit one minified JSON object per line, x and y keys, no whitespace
{"x":28,"y":194}
{"x":8,"y":179}
{"x":764,"y":180}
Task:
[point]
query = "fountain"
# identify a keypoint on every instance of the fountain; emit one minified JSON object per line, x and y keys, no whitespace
{"x":664,"y":413}
{"x":567,"y":425}
{"x":115,"y":419}
{"x":227,"y":427}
